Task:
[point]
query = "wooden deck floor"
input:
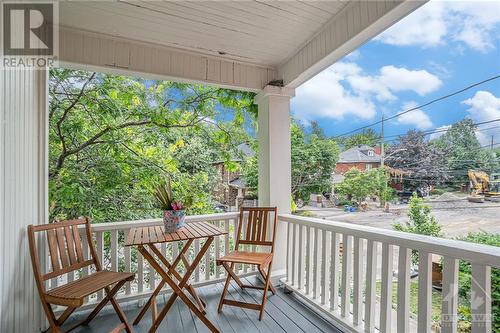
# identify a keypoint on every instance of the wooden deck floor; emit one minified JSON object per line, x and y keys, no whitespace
{"x":284,"y":313}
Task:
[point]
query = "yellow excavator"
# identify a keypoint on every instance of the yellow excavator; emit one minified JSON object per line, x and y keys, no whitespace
{"x":485,"y":184}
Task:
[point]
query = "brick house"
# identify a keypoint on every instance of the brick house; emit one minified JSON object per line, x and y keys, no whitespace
{"x":362,"y":157}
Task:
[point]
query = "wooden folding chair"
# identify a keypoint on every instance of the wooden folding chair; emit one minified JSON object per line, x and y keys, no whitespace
{"x":259,"y":230}
{"x":67,"y":255}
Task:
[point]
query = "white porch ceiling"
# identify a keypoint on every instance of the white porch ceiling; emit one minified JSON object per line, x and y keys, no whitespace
{"x":238,"y":44}
{"x":259,"y":32}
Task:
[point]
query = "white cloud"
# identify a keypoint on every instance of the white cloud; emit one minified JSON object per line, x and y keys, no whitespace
{"x":425,"y":27}
{"x":417,"y":118}
{"x":484,"y":106}
{"x":437,"y":135}
{"x":399,"y":79}
{"x":473,"y":23}
{"x":345,"y":90}
{"x":324,"y":96}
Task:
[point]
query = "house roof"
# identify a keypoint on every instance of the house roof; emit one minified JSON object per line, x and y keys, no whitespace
{"x":359,"y":154}
{"x":238,"y":182}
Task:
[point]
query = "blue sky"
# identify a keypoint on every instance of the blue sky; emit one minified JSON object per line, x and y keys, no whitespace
{"x":441,"y":47}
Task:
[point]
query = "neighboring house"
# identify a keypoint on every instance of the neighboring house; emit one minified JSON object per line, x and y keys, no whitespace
{"x":362,"y":157}
{"x":230,"y":186}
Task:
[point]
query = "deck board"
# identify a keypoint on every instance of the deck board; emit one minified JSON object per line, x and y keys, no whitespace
{"x":284,"y":313}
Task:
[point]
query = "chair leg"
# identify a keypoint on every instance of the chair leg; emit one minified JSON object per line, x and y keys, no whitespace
{"x":106,"y":299}
{"x":51,"y":317}
{"x":266,"y":287}
{"x":271,"y":287}
{"x":121,"y":315}
{"x":226,"y":286}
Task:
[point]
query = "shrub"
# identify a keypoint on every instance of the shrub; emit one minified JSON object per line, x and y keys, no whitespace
{"x":420,"y":221}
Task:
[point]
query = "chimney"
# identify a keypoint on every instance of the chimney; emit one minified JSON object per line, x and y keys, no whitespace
{"x":378,"y":150}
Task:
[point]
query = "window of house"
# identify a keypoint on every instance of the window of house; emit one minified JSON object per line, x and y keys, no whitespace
{"x":371,"y":153}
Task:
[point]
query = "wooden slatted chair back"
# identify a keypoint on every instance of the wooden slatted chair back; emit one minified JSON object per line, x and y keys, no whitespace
{"x":66,"y":248}
{"x":257,"y":226}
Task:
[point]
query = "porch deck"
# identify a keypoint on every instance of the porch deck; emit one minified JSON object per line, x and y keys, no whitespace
{"x":284,"y":313}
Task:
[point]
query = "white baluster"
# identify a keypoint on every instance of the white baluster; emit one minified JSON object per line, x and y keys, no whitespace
{"x":357,"y":299}
{"x":317,"y":263}
{"x":386,"y":288}
{"x":196,"y":251}
{"x":207,"y":263}
{"x":140,"y":272}
{"x":289,"y":256}
{"x":100,"y":255}
{"x":424,"y":291}
{"x":325,"y":267}
{"x":371,"y":280}
{"x":403,"y":311}
{"x":128,"y":262}
{"x":449,"y":306}
{"x":308,"y":258}
{"x":217,"y":251}
{"x":334,"y":273}
{"x":300,"y":258}
{"x":114,"y":250}
{"x":345,"y":302}
{"x":481,"y":298}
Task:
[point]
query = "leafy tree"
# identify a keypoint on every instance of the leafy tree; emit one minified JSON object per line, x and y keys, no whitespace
{"x":313,"y":160}
{"x":427,"y":163}
{"x":463,"y":150}
{"x":357,"y":185}
{"x":112,"y":138}
{"x":367,"y":137}
{"x":314,"y":157}
{"x":382,"y":177}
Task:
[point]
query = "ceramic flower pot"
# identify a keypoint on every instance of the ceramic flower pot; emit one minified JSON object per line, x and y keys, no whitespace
{"x":173,"y":220}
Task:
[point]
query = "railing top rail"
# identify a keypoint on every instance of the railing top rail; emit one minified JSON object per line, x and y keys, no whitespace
{"x":108,"y":226}
{"x":476,"y":253}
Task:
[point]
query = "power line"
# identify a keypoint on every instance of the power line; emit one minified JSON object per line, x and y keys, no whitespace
{"x":438,"y":130}
{"x":422,"y":106}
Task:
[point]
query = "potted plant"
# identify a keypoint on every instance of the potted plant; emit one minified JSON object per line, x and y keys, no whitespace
{"x":174,"y":214}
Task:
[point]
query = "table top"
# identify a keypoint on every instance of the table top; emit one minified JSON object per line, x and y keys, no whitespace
{"x":156,"y":234}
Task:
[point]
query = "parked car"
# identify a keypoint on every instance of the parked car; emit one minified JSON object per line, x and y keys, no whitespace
{"x":405,"y":195}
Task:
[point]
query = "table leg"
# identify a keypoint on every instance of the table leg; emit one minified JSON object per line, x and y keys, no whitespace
{"x":190,"y":289}
{"x":171,"y":270}
{"x":177,"y":289}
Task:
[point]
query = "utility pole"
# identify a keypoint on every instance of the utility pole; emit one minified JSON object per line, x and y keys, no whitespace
{"x":382,"y":150}
{"x":491,"y":147}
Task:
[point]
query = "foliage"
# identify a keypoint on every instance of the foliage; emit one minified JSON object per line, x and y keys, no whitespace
{"x":367,"y":137}
{"x":113,"y":138}
{"x":426,"y":163}
{"x":166,"y":199}
{"x":463,"y":150}
{"x":314,"y":157}
{"x":357,"y":185}
{"x":313,"y":160}
{"x":465,"y":276}
{"x":420,"y":219}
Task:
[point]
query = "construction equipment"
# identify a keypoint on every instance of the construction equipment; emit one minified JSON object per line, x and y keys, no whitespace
{"x":484,"y":184}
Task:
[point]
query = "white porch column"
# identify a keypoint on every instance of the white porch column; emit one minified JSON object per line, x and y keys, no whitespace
{"x":275,"y":159}
{"x":23,"y":193}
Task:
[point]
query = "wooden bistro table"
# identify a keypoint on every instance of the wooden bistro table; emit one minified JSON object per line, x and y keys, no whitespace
{"x":145,"y":239}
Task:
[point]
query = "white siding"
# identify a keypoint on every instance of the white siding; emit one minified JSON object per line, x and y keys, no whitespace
{"x":85,"y":50}
{"x":23,"y":193}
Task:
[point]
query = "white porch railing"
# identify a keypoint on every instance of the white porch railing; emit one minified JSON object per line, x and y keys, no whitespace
{"x":336,"y":267}
{"x":109,"y":239}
